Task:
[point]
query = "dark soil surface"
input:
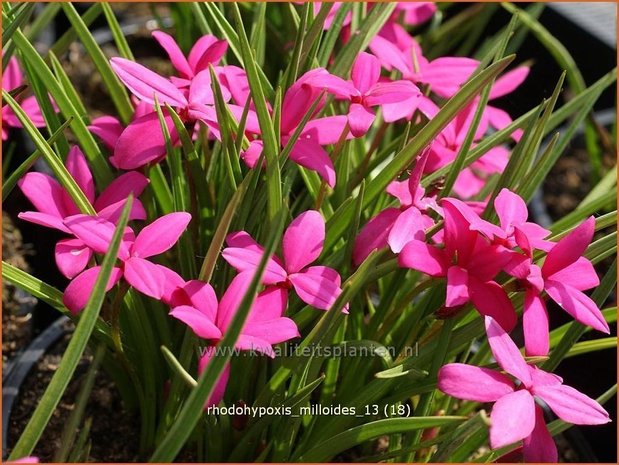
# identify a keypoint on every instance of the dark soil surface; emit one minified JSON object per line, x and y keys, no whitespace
{"x":113,"y":434}
{"x":16,"y":329}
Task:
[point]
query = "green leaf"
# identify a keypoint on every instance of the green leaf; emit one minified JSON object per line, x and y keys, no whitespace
{"x":328,"y":449}
{"x":191,"y":412}
{"x":337,"y":224}
{"x":271,"y":146}
{"x":98,"y":162}
{"x":11,"y":181}
{"x":117,"y":90}
{"x":360,"y":38}
{"x":70,"y":359}
{"x":54,"y":162}
{"x":117,"y":33}
{"x":464,"y":441}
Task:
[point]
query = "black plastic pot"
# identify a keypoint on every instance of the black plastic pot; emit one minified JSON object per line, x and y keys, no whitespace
{"x":16,"y":370}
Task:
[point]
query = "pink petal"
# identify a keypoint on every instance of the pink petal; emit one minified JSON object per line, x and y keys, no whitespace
{"x":12,"y":76}
{"x":506,"y":353}
{"x":201,"y":91}
{"x":174,"y":52}
{"x":303,"y":240}
{"x":120,"y":188}
{"x":473,"y":383}
{"x":45,"y":193}
{"x":423,"y":257}
{"x":235,"y":80}
{"x":208,"y":49}
{"x":160,"y":235}
{"x":509,"y":82}
{"x":458,"y":233}
{"x":569,"y":249}
{"x":253,"y":153}
{"x":145,"y":84}
{"x":173,"y":281}
{"x":78,"y":291}
{"x":325,"y":131}
{"x":72,"y":257}
{"x":457,"y":287}
{"x":96,"y":233}
{"x":571,"y":405}
{"x":220,"y":387}
{"x":577,"y":304}
{"x":510,"y":208}
{"x":145,"y":276}
{"x":244,"y":254}
{"x":539,"y":447}
{"x":446,"y":74}
{"x":391,"y":93}
{"x":108,"y":129}
{"x":365,"y":71}
{"x":390,"y":55}
{"x":315,"y":289}
{"x":535,"y":325}
{"x":78,"y":168}
{"x":373,"y":235}
{"x":490,"y":299}
{"x":31,"y":107}
{"x":400,"y":190}
{"x":231,"y":300}
{"x":199,"y":323}
{"x":312,"y":156}
{"x":513,"y":418}
{"x":409,"y":225}
{"x":580,"y":275}
{"x":266,"y":320}
{"x":44,"y":219}
{"x":202,"y":297}
{"x":360,"y":119}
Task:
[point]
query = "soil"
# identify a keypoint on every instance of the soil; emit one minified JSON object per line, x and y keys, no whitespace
{"x":16,"y":328}
{"x":113,"y":434}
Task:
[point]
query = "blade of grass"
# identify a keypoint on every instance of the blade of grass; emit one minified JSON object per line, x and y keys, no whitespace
{"x":70,"y":359}
{"x":191,"y":412}
{"x":54,"y":162}
{"x":117,"y":90}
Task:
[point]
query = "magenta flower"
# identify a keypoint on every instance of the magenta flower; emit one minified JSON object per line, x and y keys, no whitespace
{"x":515,"y":415}
{"x":147,"y":277}
{"x":207,"y":50}
{"x":195,"y":304}
{"x":414,"y":13}
{"x":365,"y":91}
{"x":109,"y":129}
{"x":308,"y":150}
{"x":142,"y":141}
{"x":468,"y":261}
{"x":54,"y":204}
{"x":395,"y":227}
{"x":445,"y":147}
{"x":564,"y":276}
{"x":318,"y":286}
{"x":12,"y":78}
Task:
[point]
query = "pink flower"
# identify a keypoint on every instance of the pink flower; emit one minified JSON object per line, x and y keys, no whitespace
{"x":468,"y":261}
{"x":109,"y":129}
{"x":207,"y":50}
{"x":318,"y":286}
{"x":563,"y":276}
{"x":142,"y":141}
{"x":54,"y":204}
{"x":446,"y":146}
{"x":145,"y":276}
{"x":515,"y":416}
{"x":12,"y":78}
{"x":397,"y":226}
{"x":414,"y":13}
{"x":364,"y":91}
{"x":308,"y":150}
{"x":195,"y":304}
